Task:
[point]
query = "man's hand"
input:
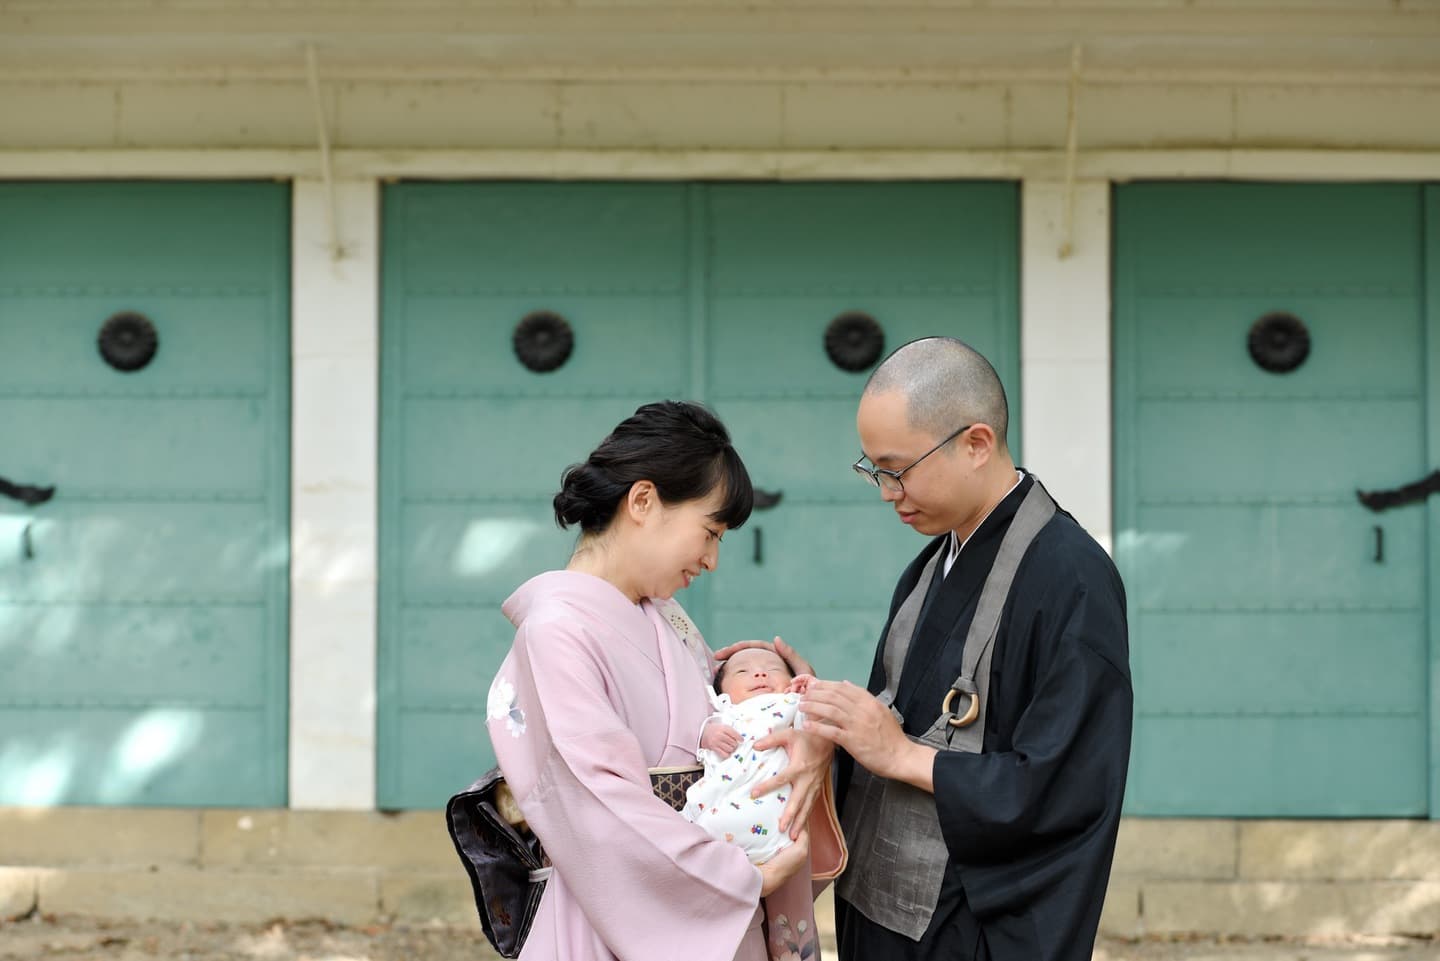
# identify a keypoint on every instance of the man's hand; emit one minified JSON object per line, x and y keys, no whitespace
{"x":851,"y":717}
{"x":798,"y":664}
{"x":720,"y":738}
{"x":809,"y":767}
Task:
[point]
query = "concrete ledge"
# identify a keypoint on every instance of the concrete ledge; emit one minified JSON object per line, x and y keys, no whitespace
{"x":1120,"y":917}
{"x":1178,"y":849}
{"x":19,"y":888}
{"x":418,"y":899}
{"x":1277,"y":908}
{"x":360,"y":839}
{"x":1340,"y":850}
{"x":193,"y":895}
{"x":95,"y":835}
{"x":1171,"y":875}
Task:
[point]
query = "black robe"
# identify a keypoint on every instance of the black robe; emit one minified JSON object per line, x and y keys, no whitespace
{"x":1030,"y":822}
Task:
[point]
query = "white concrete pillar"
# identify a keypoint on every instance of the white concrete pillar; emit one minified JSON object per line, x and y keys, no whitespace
{"x":335,"y":323}
{"x":1065,"y":349}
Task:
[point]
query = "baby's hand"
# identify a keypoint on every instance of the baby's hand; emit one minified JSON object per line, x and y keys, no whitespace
{"x":720,"y":738}
{"x":799,"y":684}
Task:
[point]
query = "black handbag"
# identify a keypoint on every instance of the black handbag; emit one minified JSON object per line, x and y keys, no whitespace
{"x":506,"y":864}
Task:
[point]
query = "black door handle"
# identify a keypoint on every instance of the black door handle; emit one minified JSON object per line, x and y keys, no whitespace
{"x":27,"y":494}
{"x":1409,"y":494}
{"x":1379,"y":544}
{"x":764,"y":500}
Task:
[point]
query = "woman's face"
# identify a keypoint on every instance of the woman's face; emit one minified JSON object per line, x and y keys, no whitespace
{"x":678,"y":543}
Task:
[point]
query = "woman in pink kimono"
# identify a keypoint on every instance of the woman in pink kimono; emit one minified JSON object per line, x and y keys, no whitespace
{"x":607,"y":678}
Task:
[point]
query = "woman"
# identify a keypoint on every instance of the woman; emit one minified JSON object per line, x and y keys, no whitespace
{"x":606,"y":679}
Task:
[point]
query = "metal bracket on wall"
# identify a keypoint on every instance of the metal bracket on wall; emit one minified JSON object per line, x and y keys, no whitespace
{"x":1412,"y":493}
{"x":327,"y":173}
{"x":1072,"y":149}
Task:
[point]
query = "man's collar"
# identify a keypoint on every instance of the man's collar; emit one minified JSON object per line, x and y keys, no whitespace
{"x":999,"y":514}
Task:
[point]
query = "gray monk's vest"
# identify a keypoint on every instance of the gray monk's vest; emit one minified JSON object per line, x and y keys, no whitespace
{"x":897,"y":851}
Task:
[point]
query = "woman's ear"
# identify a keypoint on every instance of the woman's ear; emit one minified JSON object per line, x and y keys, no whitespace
{"x":642,"y":501}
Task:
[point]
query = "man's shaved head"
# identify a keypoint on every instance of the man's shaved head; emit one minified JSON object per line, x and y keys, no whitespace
{"x":946,"y":385}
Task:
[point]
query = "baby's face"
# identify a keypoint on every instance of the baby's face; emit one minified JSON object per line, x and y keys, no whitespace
{"x":754,"y":671}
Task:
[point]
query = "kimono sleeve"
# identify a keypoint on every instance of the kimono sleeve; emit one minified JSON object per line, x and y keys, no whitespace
{"x":649,"y":882}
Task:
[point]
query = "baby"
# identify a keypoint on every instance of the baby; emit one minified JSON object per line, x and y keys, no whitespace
{"x":755,"y":695}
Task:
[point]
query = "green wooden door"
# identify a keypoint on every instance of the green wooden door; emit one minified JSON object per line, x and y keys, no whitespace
{"x":143,"y":617}
{"x":720,"y":293}
{"x":473,"y":443}
{"x":784,"y":260}
{"x":1279,"y":647}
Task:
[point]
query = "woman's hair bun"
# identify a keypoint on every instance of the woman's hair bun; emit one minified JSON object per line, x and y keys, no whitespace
{"x":679,"y":446}
{"x":587,"y":498}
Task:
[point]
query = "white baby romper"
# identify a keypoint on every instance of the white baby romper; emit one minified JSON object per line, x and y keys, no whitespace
{"x":720,"y":801}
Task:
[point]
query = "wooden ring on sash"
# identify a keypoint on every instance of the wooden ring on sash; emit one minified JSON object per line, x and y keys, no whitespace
{"x":970,"y":715}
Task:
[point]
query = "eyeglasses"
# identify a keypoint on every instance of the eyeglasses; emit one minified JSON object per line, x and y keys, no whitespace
{"x":889,"y":480}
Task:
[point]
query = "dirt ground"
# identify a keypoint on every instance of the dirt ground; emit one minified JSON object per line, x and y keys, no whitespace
{"x":64,"y":939}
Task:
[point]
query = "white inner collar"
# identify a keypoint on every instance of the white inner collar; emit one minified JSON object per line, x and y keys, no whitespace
{"x":957,"y":545}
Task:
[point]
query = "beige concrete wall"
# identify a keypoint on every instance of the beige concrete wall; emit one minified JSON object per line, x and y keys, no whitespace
{"x":229,"y":865}
{"x":1171,"y":876}
{"x":505,"y":74}
{"x":665,"y":115}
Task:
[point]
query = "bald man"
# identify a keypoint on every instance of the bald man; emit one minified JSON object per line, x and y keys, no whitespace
{"x":980,"y":775}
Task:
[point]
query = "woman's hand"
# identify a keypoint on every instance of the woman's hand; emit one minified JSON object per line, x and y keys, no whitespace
{"x":798,"y":664}
{"x":809,"y":767}
{"x":782,"y":866}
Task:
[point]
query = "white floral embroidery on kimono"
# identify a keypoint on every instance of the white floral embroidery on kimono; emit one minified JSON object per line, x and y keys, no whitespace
{"x":504,"y":705}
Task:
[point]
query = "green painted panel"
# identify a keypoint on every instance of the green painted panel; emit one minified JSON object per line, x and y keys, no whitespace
{"x":143,"y":239}
{"x":164,"y":551}
{"x":825,"y":238}
{"x":791,"y":327}
{"x":103,"y":753}
{"x":497,"y":239}
{"x":721,"y":293}
{"x":845,"y":545}
{"x":1278,"y":240}
{"x":1270,"y":646}
{"x":145,"y":641}
{"x":1432,"y":446}
{"x":1258,"y":765}
{"x":147,"y":654}
{"x":445,"y":635}
{"x":501,"y":446}
{"x":473,"y":553}
{"x":1252,"y":448}
{"x":456,"y":344}
{"x":1190,"y":350}
{"x":1218,"y":557}
{"x":220,"y":438}
{"x":213,"y":344}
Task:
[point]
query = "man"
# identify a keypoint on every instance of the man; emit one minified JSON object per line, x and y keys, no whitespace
{"x":980,"y":800}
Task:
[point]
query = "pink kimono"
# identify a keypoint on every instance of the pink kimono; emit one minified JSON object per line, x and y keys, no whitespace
{"x":596,"y":691}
